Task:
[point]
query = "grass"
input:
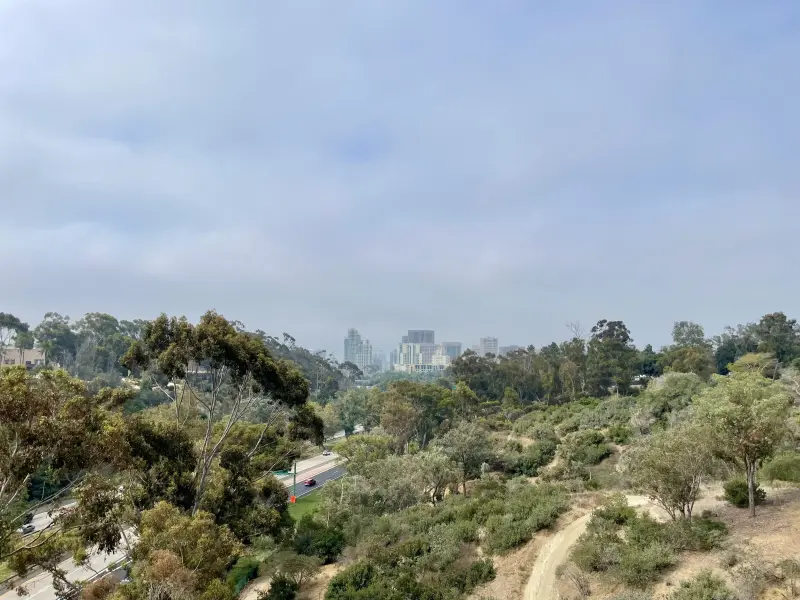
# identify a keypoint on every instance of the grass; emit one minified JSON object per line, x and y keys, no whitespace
{"x":305,"y":505}
{"x":5,"y":572}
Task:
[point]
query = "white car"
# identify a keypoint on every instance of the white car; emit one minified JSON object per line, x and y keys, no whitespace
{"x":326,"y":453}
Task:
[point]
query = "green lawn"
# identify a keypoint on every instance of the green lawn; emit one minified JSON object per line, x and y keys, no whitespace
{"x":305,"y":505}
{"x":5,"y":572}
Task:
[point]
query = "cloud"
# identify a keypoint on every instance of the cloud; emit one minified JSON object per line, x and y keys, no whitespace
{"x":479,"y":169}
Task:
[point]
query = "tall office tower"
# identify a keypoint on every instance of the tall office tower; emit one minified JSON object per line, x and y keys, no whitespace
{"x":488,"y":345}
{"x":420,"y":336}
{"x":393,"y":359}
{"x":357,"y":350}
{"x":452,"y":349}
{"x":426,"y":352}
{"x":409,"y":354}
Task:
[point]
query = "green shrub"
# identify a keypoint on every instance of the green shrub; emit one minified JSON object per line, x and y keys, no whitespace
{"x":586,"y":447}
{"x":705,"y":586}
{"x":736,"y":493}
{"x":315,"y":539}
{"x":280,"y":588}
{"x":466,"y":580}
{"x":784,"y":467}
{"x":636,"y":550}
{"x":641,"y":565}
{"x":620,"y":434}
{"x":616,"y":510}
{"x":245,"y":569}
{"x":596,"y":553}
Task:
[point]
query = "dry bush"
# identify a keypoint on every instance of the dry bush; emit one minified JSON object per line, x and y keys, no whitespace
{"x":100,"y":589}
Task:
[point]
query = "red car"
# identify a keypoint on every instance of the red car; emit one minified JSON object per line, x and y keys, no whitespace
{"x":310,"y":482}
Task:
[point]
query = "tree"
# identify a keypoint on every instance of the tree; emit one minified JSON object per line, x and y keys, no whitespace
{"x":464,"y":402}
{"x":611,"y":358}
{"x":329,"y":414}
{"x":101,"y":343}
{"x":689,"y":359}
{"x":669,"y":467}
{"x":227,"y":372}
{"x":399,"y":419}
{"x":733,"y":344}
{"x":436,"y":473}
{"x":356,"y":406}
{"x":50,"y":422}
{"x":686,"y":334}
{"x":779,"y":336}
{"x":203,"y":547}
{"x":468,"y":446}
{"x":649,"y":362}
{"x":297,"y":568}
{"x":745,"y":416}
{"x":362,"y":449}
{"x":10,"y":328}
{"x":690,"y":352}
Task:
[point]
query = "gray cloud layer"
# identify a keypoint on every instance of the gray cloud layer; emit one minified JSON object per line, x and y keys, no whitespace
{"x":478,"y":168}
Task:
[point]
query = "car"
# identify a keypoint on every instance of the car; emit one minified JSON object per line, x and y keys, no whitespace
{"x":27,"y":528}
{"x":326,"y":453}
{"x":27,"y":518}
{"x":310,"y":482}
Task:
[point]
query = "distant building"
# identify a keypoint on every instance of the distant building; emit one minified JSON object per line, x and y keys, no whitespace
{"x":488,"y":345}
{"x":508,"y":349}
{"x":379,"y":360}
{"x":421,"y":368}
{"x":427,"y":351}
{"x":409,"y":354}
{"x":420,"y":336}
{"x":28,"y":358}
{"x":476,"y":348}
{"x":357,"y":350}
{"x":452,"y":349}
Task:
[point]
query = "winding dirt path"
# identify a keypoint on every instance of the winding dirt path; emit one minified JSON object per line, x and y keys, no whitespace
{"x":542,"y":582}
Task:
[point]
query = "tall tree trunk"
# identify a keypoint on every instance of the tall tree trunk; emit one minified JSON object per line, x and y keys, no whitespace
{"x":751,"y":487}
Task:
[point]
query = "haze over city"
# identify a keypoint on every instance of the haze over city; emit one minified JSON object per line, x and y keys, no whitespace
{"x":480,"y":169}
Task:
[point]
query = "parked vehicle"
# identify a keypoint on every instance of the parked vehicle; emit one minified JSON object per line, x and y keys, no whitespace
{"x":326,"y":453}
{"x":27,"y":518}
{"x":28,"y":528}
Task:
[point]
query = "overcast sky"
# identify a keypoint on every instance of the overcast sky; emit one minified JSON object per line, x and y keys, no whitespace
{"x":478,"y":168}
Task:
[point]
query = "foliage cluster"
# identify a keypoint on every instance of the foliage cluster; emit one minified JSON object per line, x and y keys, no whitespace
{"x":634,"y":549}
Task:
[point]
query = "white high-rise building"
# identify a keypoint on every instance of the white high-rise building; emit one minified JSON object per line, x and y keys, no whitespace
{"x":357,"y":350}
{"x":488,"y":345}
{"x":409,"y":354}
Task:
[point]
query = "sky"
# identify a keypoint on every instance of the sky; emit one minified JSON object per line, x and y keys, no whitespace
{"x":477,"y":168}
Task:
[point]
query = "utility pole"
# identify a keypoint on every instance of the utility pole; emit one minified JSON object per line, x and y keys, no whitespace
{"x":294,"y":481}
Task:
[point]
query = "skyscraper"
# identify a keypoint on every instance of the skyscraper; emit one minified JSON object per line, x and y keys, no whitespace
{"x":488,"y":345}
{"x":452,"y":349}
{"x":357,"y":350}
{"x":420,"y":336}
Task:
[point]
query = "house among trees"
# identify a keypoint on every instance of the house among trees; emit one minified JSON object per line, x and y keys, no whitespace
{"x":33,"y":357}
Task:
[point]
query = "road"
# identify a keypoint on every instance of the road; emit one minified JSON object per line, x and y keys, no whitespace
{"x":41,"y":586}
{"x":42,"y":520}
{"x":321,"y":468}
{"x":329,"y":475}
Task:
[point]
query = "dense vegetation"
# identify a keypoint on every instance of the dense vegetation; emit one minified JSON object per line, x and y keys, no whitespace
{"x":167,"y":432}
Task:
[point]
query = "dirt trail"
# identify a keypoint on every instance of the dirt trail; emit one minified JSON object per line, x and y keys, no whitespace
{"x":542,"y":582}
